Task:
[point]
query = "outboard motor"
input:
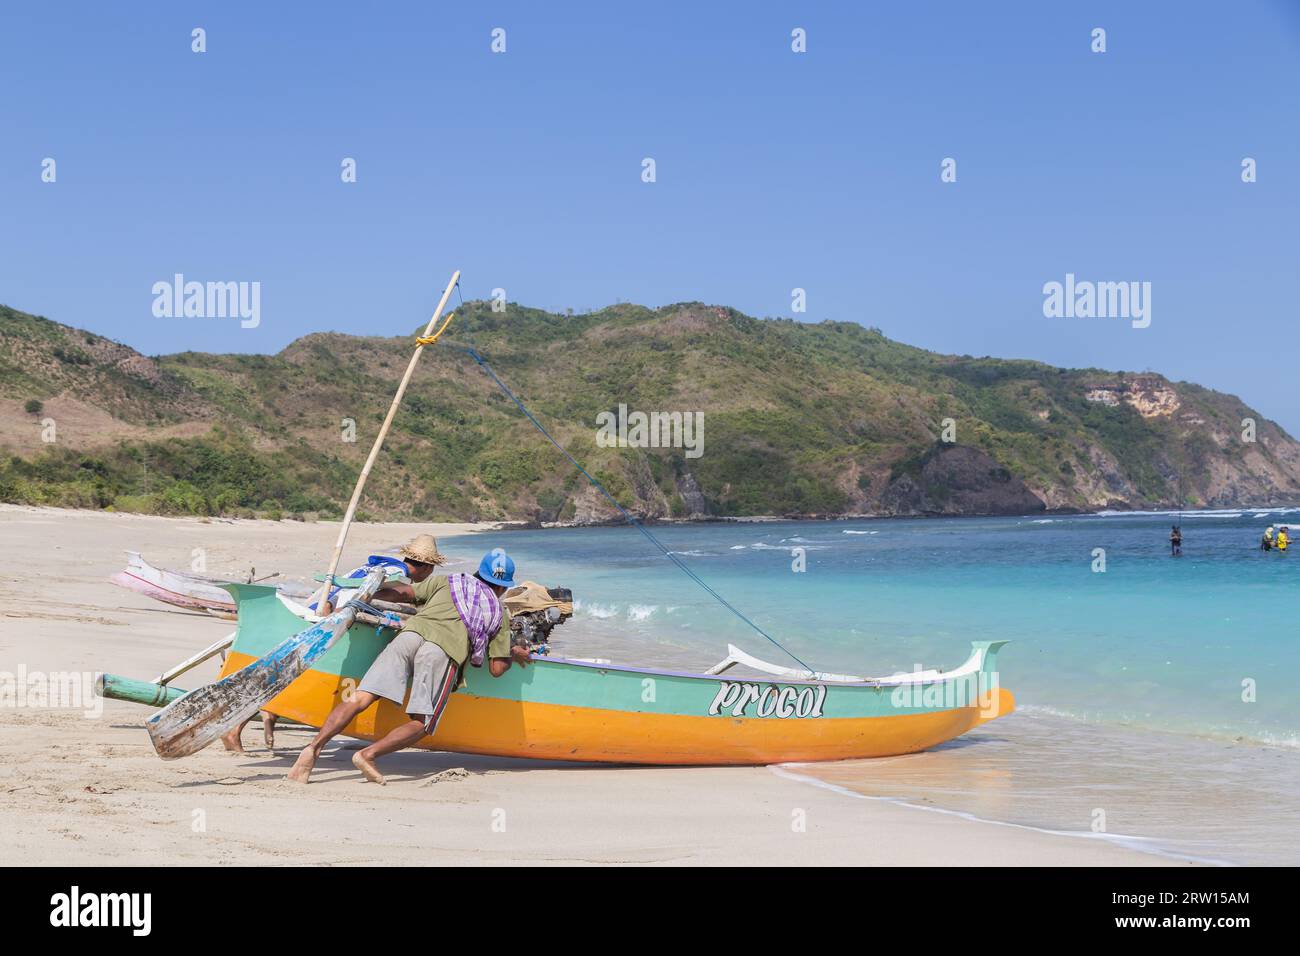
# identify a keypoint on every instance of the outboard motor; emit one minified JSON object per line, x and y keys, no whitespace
{"x":534,"y":612}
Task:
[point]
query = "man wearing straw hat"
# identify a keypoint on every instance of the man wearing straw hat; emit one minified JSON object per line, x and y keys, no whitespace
{"x":459,"y":617}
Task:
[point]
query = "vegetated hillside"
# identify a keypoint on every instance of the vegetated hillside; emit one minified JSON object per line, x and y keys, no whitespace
{"x":809,"y":419}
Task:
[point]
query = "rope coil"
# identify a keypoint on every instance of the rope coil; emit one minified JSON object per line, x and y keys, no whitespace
{"x":430,"y":339}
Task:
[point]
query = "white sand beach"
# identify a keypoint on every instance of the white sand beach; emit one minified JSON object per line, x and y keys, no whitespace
{"x":82,"y":785}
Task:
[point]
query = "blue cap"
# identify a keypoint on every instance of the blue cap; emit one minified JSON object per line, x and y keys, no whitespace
{"x":497,"y":567}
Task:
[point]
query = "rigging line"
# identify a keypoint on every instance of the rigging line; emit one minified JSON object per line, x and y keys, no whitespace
{"x":627,"y":515}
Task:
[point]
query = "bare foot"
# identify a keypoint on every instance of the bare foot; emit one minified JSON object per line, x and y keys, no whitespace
{"x":231,"y":741}
{"x":300,"y":772}
{"x":268,"y":730}
{"x":367,"y":768}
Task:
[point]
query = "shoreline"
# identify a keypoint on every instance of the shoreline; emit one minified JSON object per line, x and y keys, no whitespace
{"x":1136,"y":844}
{"x":1049,"y":775}
{"x":454,"y":528}
{"x":436,"y":528}
{"x":830,"y":519}
{"x":82,"y":788}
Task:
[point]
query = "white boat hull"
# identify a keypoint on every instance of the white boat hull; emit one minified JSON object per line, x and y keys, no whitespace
{"x":183,"y":590}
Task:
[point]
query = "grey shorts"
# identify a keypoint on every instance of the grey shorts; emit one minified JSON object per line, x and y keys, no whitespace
{"x":410,"y":659}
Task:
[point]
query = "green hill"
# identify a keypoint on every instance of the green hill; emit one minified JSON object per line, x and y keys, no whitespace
{"x":823,"y":419}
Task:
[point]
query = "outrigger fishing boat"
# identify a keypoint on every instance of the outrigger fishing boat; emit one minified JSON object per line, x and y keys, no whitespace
{"x":569,"y":709}
{"x":599,"y":712}
{"x":189,"y":590}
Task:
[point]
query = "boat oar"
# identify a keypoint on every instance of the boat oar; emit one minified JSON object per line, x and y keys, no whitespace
{"x":190,"y":723}
{"x":428,"y":338}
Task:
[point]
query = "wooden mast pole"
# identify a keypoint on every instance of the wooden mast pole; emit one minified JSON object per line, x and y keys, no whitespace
{"x":324,"y":607}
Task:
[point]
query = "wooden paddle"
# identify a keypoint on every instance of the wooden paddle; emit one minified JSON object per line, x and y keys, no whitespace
{"x":190,"y":723}
{"x":428,"y":338}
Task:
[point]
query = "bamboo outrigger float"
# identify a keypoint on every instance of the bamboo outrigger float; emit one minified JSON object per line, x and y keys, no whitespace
{"x":565,"y":709}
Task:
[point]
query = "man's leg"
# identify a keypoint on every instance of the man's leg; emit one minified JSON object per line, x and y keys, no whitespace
{"x":232,"y":741}
{"x":386,"y":677}
{"x":342,"y":714}
{"x":433,"y":679}
{"x":403,"y":735}
{"x":234,"y":744}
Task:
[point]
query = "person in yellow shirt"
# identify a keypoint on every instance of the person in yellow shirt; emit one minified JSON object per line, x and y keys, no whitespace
{"x":1282,"y":538}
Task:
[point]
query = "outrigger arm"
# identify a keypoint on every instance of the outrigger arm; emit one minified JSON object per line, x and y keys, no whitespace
{"x":736,"y":656}
{"x":190,"y":723}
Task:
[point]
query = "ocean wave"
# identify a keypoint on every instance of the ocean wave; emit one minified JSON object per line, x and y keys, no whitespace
{"x":1174,"y":512}
{"x":1259,"y":738}
{"x":1046,"y":711}
{"x":1289,"y":741}
{"x":846,"y":531}
{"x":641,"y":612}
{"x":693,"y":554}
{"x":599,"y":611}
{"x":635,"y":613}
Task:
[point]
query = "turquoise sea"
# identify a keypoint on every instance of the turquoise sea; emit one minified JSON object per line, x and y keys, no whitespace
{"x":1158,"y":700}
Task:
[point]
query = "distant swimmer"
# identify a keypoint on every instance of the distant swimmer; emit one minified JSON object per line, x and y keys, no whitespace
{"x":1176,"y":541}
{"x":1266,"y":542}
{"x":1281,"y":538}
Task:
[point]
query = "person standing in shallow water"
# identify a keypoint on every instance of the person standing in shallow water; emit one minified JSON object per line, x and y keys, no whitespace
{"x":460,"y":618}
{"x":1176,"y":541}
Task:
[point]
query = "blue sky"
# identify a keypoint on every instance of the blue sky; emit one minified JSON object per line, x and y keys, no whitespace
{"x":774,"y":170}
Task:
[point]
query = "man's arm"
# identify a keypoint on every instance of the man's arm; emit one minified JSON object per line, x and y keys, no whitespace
{"x":396,"y":593}
{"x":499,"y":665}
{"x":501,"y":650}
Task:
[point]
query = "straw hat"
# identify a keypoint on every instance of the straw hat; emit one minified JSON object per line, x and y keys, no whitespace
{"x":423,"y":548}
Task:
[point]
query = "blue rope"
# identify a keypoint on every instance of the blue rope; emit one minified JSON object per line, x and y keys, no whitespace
{"x":389,"y":618}
{"x":630,"y":519}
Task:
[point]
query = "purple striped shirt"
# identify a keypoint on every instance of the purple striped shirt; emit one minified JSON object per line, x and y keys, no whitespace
{"x":480,"y":611}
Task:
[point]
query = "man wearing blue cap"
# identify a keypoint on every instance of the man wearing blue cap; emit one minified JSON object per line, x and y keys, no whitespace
{"x":460,"y":618}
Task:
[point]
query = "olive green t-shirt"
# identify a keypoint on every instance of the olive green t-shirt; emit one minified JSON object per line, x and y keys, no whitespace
{"x":436,"y":620}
